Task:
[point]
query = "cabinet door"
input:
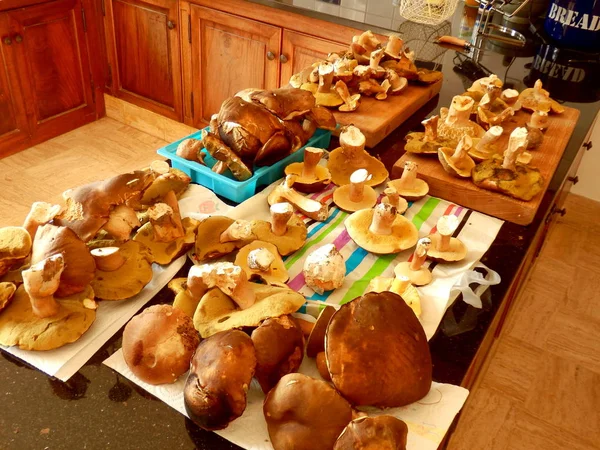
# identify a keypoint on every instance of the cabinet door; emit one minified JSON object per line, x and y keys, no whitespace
{"x":53,"y":66}
{"x":144,"y":53}
{"x":229,"y":53}
{"x":14,"y":129}
{"x":300,"y":51}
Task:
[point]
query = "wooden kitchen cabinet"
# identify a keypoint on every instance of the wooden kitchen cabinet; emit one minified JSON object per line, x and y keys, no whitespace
{"x":144,"y":54}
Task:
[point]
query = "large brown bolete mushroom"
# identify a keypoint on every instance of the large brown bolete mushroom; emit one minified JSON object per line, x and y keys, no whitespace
{"x":261,"y":261}
{"x":457,"y":162}
{"x":408,"y":185}
{"x":413,"y":269}
{"x":324,"y":269}
{"x":221,"y":152}
{"x":380,"y":230}
{"x":220,"y":375}
{"x":373,"y":433}
{"x":356,"y":195}
{"x":310,"y":176}
{"x":285,"y":192}
{"x":377,"y":352}
{"x":305,"y":414}
{"x":15,"y":246}
{"x":443,"y":246}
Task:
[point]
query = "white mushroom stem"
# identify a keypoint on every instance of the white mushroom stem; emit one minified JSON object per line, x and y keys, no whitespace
{"x":394,"y":45}
{"x":325,"y":78}
{"x":357,"y":184}
{"x":260,"y":259}
{"x":228,"y":277}
{"x":40,"y":214}
{"x":510,"y":96}
{"x":166,"y":219}
{"x":539,"y":120}
{"x":159,"y":167}
{"x":460,"y":111}
{"x":392,"y":196}
{"x":352,"y":139}
{"x":368,"y":40}
{"x":420,"y":254}
{"x":350,"y":101}
{"x":383,"y":90}
{"x":384,"y":215}
{"x":240,"y":230}
{"x":400,"y":284}
{"x":312,"y":156}
{"x":490,"y":136}
{"x":431,"y":126}
{"x":375,"y":59}
{"x":446,"y":226}
{"x":309,"y":207}
{"x":108,"y":259}
{"x":281,"y":213}
{"x":41,"y":281}
{"x":121,"y":220}
{"x":409,"y":175}
{"x":464,"y":145}
{"x":492,"y":93}
{"x":516,"y":145}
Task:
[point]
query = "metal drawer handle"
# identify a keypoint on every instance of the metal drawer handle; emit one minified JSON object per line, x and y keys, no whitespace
{"x":574,"y":179}
{"x":588,"y":145}
{"x":170,"y":25}
{"x":7,"y":41}
{"x":18,"y":38}
{"x":270,"y":56}
{"x":283,"y":58}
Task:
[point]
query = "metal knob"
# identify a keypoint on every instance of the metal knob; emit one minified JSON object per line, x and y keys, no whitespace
{"x":18,"y":38}
{"x":270,"y":56}
{"x":562,"y":211}
{"x":588,"y":145}
{"x":283,"y":58}
{"x":170,"y":24}
{"x":574,"y":179}
{"x":7,"y":41}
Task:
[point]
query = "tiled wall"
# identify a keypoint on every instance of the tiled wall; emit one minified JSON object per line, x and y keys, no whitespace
{"x":382,"y":13}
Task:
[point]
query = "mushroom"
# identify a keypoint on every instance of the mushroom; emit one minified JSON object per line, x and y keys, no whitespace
{"x":398,"y":285}
{"x":427,"y":76}
{"x":323,"y":92}
{"x":190,"y":149}
{"x":315,"y":343}
{"x":536,"y":98}
{"x":428,"y":142}
{"x":165,"y":252}
{"x":492,"y":110}
{"x":309,"y":207}
{"x":321,"y":363}
{"x":380,"y":432}
{"x":41,"y":281}
{"x":40,"y":214}
{"x":240,"y":230}
{"x":184,"y":301}
{"x":354,"y":196}
{"x":221,"y":152}
{"x":343,"y":69}
{"x":377,"y":352}
{"x":107,"y":259}
{"x":456,"y":121}
{"x":414,"y":269}
{"x":286,"y":103}
{"x":393,"y":47}
{"x":538,"y":120}
{"x":305,"y":414}
{"x":228,"y":277}
{"x":508,"y":175}
{"x":404,"y":68}
{"x":165,"y":219}
{"x":443,"y":246}
{"x":381,"y":230}
{"x":15,"y":246}
{"x":351,"y":156}
{"x":218,"y":312}
{"x":376,"y":70}
{"x":481,"y":85}
{"x":457,"y":162}
{"x":310,"y":176}
{"x":393,"y":198}
{"x":220,"y":167}
{"x":7,"y":291}
{"x":408,"y":185}
{"x":220,"y":374}
{"x":286,"y":230}
{"x":363,"y":45}
{"x":208,"y":244}
{"x":121,"y":220}
{"x":484,"y":148}
{"x":261,"y":260}
{"x":371,"y":87}
{"x":511,"y":98}
{"x":171,"y":180}
{"x":324,"y":269}
{"x":397,"y":83}
{"x":350,"y":101}
{"x":279,"y":345}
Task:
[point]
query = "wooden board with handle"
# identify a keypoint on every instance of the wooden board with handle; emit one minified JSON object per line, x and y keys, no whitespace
{"x":378,"y":118}
{"x":462,"y":190}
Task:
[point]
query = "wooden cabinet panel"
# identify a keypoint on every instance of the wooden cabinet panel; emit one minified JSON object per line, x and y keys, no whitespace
{"x":302,"y":50}
{"x":144,"y":46}
{"x":229,"y":53}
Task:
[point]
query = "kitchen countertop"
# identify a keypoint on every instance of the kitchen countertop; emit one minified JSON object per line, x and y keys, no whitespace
{"x":99,"y":409}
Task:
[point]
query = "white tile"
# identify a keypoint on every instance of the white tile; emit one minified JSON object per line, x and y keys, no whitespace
{"x":397,"y":15}
{"x":327,"y":8}
{"x":309,"y":4}
{"x":352,"y":14}
{"x":383,"y":22}
{"x":383,"y":8}
{"x":359,"y":5}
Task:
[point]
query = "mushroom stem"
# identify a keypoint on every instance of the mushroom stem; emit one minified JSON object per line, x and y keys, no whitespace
{"x":409,"y":175}
{"x":350,"y":101}
{"x":375,"y":59}
{"x":312,"y":156}
{"x":325,"y":78}
{"x":352,"y":139}
{"x":394,"y":45}
{"x":492,"y":93}
{"x":309,"y":207}
{"x":384,"y":215}
{"x":510,"y":96}
{"x":40,"y":214}
{"x":357,"y":184}
{"x":516,"y":145}
{"x":400,"y":284}
{"x":240,"y":230}
{"x":490,"y":136}
{"x":41,"y":281}
{"x":281,"y":213}
{"x":384,"y":88}
{"x":121,"y":221}
{"x":107,"y":259}
{"x":260,"y":259}
{"x":460,"y":111}
{"x":228,"y":277}
{"x":159,"y":167}
{"x":393,"y":197}
{"x":446,"y":226}
{"x":166,"y":220}
{"x":539,"y":120}
{"x":420,"y":254}
{"x":464,"y":145}
{"x":431,"y":125}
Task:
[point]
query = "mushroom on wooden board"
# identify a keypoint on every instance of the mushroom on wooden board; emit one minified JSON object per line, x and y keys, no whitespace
{"x":455,"y":122}
{"x":484,"y":147}
{"x":427,"y":142}
{"x":408,"y":185}
{"x":414,"y":270}
{"x":511,"y":98}
{"x":324,"y":93}
{"x":351,"y":101}
{"x":310,"y":176}
{"x":354,"y":196}
{"x":393,"y":198}
{"x":370,"y":87}
{"x":15,"y":246}
{"x":443,"y":246}
{"x":261,"y":260}
{"x":324,"y":269}
{"x":380,"y":230}
{"x":285,"y":192}
{"x":380,"y":432}
{"x":457,"y":162}
{"x":398,"y":284}
{"x":393,"y":47}
{"x":536,"y":98}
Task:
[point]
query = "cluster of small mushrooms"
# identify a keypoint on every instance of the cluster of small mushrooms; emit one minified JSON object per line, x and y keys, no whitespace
{"x":469,"y":148}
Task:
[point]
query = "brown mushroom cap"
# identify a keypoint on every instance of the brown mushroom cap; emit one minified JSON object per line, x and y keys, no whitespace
{"x":158,"y":344}
{"x":308,"y":185}
{"x":208,"y":243}
{"x":279,"y":345}
{"x":285,"y":103}
{"x":404,"y":233}
{"x":316,"y":339}
{"x":277,"y":272}
{"x":174,"y":180}
{"x":377,"y":352}
{"x":373,"y":433}
{"x":7,"y":291}
{"x":305,"y":414}
{"x":220,"y":375}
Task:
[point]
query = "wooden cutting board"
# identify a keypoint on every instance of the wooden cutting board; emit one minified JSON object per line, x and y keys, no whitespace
{"x":378,"y":118}
{"x":463,"y":192}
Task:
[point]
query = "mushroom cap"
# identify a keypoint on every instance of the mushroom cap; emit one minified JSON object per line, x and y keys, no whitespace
{"x":534,"y":99}
{"x":427,"y":76}
{"x":293,"y":239}
{"x":419,"y":277}
{"x":377,"y":352}
{"x":79,"y":264}
{"x":456,"y":252}
{"x":285,"y":103}
{"x":220,"y":375}
{"x":343,"y":163}
{"x":208,"y":235}
{"x":308,"y":185}
{"x":279,"y":345}
{"x":183,"y":300}
{"x":130,"y":278}
{"x":20,"y":326}
{"x":217,"y":312}
{"x":303,"y":413}
{"x":329,"y":99}
{"x":402,"y":204}
{"x":15,"y":245}
{"x":277,"y":273}
{"x":316,"y":339}
{"x":373,"y":433}
{"x":324,"y":269}
{"x":404,"y":233}
{"x":455,"y":132}
{"x":410,"y":295}
{"x":462,"y":168}
{"x":341,"y":197}
{"x":165,"y":252}
{"x":174,"y":180}
{"x":158,"y":344}
{"x":7,"y":291}
{"x":417,"y":191}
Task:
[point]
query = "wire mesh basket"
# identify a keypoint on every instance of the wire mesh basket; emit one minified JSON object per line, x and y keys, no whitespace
{"x":430,"y":12}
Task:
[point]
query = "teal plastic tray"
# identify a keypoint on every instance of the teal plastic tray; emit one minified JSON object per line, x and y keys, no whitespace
{"x":225,"y":184}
